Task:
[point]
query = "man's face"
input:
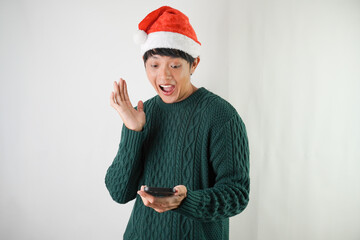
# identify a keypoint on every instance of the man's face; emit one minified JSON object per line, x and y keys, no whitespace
{"x":170,"y":77}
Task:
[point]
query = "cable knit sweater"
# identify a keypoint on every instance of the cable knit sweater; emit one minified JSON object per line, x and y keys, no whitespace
{"x":200,"y":142}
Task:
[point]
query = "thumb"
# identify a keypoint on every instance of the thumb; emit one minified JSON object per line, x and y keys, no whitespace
{"x":140,"y":106}
{"x":181,"y":190}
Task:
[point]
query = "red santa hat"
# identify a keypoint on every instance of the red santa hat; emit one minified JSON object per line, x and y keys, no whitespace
{"x":167,"y":27}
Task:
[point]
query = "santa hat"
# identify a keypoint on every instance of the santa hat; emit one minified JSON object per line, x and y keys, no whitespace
{"x":167,"y":27}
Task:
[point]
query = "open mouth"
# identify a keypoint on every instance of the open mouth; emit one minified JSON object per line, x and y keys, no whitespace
{"x":167,"y":89}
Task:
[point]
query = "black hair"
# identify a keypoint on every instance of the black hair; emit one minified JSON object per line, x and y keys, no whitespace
{"x":169,"y":52}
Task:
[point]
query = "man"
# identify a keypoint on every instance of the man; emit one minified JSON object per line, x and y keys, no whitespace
{"x":185,"y":137}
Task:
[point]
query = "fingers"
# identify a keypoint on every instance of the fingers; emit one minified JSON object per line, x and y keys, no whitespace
{"x":119,"y":91}
{"x":146,"y":196}
{"x":140,"y":106}
{"x":116,"y":93}
{"x":112,"y":101}
{"x":120,"y":97}
{"x":162,"y":204}
{"x":125,"y":92}
{"x":181,"y":190}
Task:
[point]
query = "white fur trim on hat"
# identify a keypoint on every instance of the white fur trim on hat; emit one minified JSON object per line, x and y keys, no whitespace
{"x":171,"y":40}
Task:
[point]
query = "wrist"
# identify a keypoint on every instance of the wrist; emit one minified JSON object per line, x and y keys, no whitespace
{"x":135,"y":128}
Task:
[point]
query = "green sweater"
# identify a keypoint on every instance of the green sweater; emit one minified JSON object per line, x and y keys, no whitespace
{"x":200,"y":142}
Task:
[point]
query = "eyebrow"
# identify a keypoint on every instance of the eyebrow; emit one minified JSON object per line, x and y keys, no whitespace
{"x":157,"y":56}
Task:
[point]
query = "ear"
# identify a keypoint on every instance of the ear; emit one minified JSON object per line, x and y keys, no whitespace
{"x":194,"y":65}
{"x":143,"y":61}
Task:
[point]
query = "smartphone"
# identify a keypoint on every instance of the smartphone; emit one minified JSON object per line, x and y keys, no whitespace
{"x":159,"y":192}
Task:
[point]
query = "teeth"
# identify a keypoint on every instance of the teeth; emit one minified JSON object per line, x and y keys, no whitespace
{"x":167,"y":88}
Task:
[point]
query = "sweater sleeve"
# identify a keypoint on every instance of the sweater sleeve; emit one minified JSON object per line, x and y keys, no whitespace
{"x":123,"y":175}
{"x":229,"y":158}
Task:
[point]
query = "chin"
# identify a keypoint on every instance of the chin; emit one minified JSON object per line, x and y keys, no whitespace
{"x":167,"y":99}
{"x":173,"y":98}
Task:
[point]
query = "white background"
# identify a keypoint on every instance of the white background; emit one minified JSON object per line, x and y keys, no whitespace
{"x":291,"y":68}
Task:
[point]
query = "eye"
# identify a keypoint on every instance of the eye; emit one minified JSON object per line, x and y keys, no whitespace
{"x":175,"y":66}
{"x":154,"y":65}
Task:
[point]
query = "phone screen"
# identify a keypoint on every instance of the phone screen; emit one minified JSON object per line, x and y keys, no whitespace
{"x":160,"y":192}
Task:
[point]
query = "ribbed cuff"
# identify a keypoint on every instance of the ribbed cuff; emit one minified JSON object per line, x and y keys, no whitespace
{"x":190,"y":205}
{"x":132,"y":140}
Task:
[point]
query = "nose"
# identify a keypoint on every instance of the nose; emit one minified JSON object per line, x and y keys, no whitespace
{"x":164,"y":73}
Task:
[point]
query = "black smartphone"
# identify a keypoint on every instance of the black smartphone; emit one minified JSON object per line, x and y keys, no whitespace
{"x":159,"y":192}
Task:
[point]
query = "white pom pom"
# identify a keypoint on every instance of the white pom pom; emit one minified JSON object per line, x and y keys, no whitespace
{"x":140,"y":37}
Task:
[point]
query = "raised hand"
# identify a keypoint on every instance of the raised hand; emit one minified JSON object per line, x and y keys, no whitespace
{"x":119,"y":100}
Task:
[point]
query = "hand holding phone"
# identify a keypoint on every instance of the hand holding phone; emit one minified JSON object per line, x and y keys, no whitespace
{"x":163,"y":199}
